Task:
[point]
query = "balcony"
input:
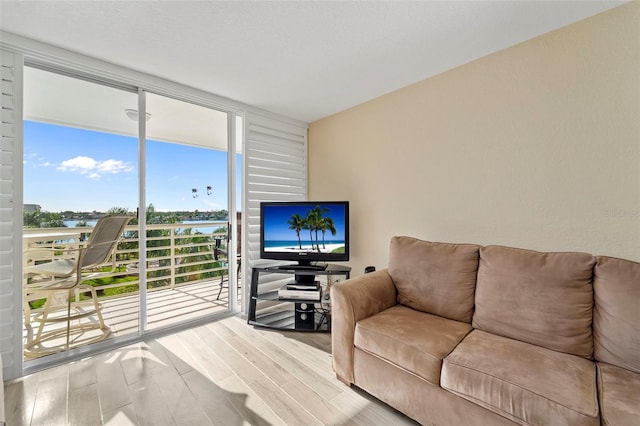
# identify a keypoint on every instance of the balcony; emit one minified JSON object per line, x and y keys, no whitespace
{"x":183,"y":277}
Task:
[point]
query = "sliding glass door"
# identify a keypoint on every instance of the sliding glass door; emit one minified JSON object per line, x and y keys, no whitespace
{"x":84,"y":159}
{"x":80,"y":163}
{"x":187,"y":212}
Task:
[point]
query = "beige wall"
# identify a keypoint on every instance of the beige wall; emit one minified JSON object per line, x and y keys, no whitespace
{"x":536,"y":146}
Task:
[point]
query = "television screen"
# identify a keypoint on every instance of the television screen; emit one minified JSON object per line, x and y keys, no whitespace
{"x":305,"y":231}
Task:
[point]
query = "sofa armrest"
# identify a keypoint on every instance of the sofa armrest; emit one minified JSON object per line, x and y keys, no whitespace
{"x":352,"y":301}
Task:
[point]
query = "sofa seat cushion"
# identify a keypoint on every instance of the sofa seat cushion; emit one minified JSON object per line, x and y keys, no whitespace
{"x":528,"y":384}
{"x":413,"y":340}
{"x":618,"y":393}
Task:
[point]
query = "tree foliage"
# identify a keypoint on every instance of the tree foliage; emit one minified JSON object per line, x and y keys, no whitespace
{"x":42,"y":220}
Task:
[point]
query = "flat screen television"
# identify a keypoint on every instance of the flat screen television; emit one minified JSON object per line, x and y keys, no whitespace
{"x":308,"y":232}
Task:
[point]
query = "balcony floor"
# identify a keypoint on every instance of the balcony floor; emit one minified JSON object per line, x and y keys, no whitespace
{"x":164,"y":308}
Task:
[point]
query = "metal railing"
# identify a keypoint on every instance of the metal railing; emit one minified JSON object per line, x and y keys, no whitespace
{"x":177,"y":255}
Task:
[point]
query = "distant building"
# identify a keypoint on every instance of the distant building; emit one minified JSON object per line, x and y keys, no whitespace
{"x":31,"y":208}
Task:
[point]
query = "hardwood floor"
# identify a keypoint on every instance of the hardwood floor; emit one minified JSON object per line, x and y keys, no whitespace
{"x":225,"y":372}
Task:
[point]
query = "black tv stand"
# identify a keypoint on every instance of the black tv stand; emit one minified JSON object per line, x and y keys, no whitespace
{"x":302,"y":267}
{"x":291,"y":313}
{"x":304,"y":273}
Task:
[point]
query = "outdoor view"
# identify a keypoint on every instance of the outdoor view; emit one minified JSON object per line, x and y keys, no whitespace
{"x":74,"y":174}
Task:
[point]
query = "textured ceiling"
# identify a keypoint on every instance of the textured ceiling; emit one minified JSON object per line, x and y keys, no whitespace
{"x":306,"y":59}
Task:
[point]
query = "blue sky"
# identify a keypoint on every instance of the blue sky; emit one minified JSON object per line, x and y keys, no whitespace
{"x":81,"y":170}
{"x":276,"y":227}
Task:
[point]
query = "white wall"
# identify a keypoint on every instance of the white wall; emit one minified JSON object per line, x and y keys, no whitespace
{"x":536,"y":146}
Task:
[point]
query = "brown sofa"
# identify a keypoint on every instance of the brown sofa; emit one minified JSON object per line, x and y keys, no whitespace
{"x":460,"y":334}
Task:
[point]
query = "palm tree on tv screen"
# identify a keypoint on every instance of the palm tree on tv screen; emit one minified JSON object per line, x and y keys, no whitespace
{"x":316,"y":220}
{"x":297,"y":224}
{"x":327,"y":224}
{"x":309,"y":222}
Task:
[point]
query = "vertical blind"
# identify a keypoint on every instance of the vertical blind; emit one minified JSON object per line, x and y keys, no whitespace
{"x":10,"y":213}
{"x":275,"y":159}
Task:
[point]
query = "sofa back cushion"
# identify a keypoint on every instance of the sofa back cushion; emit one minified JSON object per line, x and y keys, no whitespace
{"x":616,"y":316}
{"x":437,"y":278}
{"x":545,"y":299}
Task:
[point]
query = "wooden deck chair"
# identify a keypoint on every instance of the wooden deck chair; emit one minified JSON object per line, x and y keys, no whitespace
{"x":67,"y":276}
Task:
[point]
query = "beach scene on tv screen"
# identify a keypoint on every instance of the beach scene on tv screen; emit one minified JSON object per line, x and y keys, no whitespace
{"x":291,"y":228}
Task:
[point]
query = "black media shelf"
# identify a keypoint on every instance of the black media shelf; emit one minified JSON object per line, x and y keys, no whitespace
{"x":293,"y":314}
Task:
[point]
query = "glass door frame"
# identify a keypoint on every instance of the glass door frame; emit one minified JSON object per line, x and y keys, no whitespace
{"x":36,"y":364}
{"x":232,"y":237}
{"x":142,"y":212}
{"x":30,"y":365}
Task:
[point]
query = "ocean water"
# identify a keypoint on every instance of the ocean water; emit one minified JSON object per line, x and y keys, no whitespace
{"x":74,"y":223}
{"x":295,"y":244}
{"x":185,"y":224}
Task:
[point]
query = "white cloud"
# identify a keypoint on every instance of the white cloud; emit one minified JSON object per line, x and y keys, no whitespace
{"x":80,"y":163}
{"x":94,"y":169}
{"x":114,"y":166}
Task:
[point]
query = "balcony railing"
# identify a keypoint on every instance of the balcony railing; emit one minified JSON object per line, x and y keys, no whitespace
{"x":177,"y":255}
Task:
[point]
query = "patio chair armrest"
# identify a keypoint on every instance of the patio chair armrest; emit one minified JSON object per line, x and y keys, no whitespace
{"x":81,"y":247}
{"x":65,"y":250}
{"x":51,"y":249}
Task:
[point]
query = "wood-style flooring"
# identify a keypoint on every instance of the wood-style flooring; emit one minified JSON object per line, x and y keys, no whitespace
{"x":226,"y":373}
